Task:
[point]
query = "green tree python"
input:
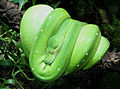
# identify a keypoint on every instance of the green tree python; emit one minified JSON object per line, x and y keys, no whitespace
{"x":57,"y":45}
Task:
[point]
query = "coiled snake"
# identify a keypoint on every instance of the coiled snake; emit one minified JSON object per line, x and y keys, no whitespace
{"x":57,"y":45}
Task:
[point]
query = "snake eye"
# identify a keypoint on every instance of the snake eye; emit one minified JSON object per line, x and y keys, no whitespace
{"x":51,"y":51}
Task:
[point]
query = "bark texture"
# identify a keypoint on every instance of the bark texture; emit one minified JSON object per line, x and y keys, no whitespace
{"x":10,"y":14}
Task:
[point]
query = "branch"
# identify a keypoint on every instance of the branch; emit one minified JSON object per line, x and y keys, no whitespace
{"x":110,"y":62}
{"x":10,"y":14}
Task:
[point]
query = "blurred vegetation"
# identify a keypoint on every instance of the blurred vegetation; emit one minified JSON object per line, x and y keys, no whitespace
{"x":14,"y":67}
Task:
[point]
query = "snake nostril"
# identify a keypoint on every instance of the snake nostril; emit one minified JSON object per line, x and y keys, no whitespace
{"x":46,"y":60}
{"x":37,"y":51}
{"x":58,"y":69}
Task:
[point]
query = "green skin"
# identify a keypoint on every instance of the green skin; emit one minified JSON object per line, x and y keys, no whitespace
{"x":57,"y":45}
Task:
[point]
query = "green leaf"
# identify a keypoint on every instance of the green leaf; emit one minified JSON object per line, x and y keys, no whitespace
{"x":6,"y":63}
{"x":15,"y":73}
{"x":14,"y":1}
{"x":9,"y":81}
{"x":21,"y":3}
{"x":17,"y":44}
{"x":5,"y":88}
{"x":12,"y":59}
{"x":33,"y":1}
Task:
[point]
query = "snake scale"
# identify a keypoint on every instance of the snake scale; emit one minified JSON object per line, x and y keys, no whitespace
{"x":57,"y":45}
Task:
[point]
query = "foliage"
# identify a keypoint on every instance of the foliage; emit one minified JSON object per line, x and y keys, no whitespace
{"x":11,"y":57}
{"x":112,"y":31}
{"x":21,"y":3}
{"x":33,"y":1}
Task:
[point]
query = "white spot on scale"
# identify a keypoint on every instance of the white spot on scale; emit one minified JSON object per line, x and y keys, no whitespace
{"x":41,"y":30}
{"x":99,"y":58}
{"x":32,"y":68}
{"x":78,"y":65}
{"x":96,"y":33}
{"x":83,"y":60}
{"x":37,"y":51}
{"x":58,"y":69}
{"x":86,"y":53}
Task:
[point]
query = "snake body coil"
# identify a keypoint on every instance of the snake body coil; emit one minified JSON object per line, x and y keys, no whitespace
{"x":58,"y":45}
